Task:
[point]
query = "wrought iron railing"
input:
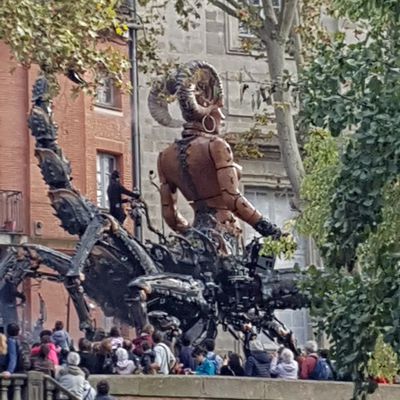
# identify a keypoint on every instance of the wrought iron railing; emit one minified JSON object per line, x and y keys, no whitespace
{"x":11,"y":211}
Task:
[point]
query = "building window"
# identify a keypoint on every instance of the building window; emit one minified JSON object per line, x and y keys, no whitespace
{"x":244,"y":30}
{"x":105,"y":165}
{"x":108,"y":95}
{"x":275,"y":205}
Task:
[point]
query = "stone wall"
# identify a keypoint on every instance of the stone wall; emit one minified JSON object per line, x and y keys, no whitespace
{"x":220,"y":388}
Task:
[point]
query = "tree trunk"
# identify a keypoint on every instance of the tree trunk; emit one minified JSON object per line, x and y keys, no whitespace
{"x":283,"y":115}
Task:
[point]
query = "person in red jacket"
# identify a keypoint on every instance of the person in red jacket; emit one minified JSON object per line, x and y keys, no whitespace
{"x":308,"y":363}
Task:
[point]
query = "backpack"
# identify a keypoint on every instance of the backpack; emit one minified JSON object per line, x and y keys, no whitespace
{"x":108,"y":365}
{"x":213,"y":361}
{"x":23,"y":356}
{"x":322,"y":371}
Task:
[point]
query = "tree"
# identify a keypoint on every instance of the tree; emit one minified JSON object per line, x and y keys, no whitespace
{"x":65,"y":36}
{"x":352,"y":90}
{"x":273,"y":31}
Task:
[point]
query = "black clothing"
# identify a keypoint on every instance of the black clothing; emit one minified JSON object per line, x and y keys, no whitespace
{"x":185,"y":357}
{"x":228,"y":370}
{"x":258,"y":364}
{"x":114,"y":192}
{"x":105,"y":364}
{"x":147,"y":359}
{"x":88,"y":360}
{"x":8,"y":302}
{"x":248,"y":336}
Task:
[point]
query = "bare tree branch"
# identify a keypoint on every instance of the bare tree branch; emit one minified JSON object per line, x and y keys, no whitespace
{"x":224,"y":7}
{"x":288,"y":12}
{"x":270,"y":15}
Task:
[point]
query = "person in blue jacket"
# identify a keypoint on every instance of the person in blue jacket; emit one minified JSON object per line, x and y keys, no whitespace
{"x":12,"y":348}
{"x":204,"y":365}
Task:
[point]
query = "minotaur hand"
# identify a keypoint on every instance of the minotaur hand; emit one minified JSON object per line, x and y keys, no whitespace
{"x":266,"y":228}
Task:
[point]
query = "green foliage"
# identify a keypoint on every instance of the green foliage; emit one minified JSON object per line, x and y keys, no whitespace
{"x":355,"y":309}
{"x":357,"y":87}
{"x":380,"y":12}
{"x":322,"y":165}
{"x":60,"y":35}
{"x":352,"y":90}
{"x":284,"y":247}
{"x":384,"y":361}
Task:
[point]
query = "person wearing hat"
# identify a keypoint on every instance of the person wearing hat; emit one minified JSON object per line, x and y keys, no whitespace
{"x":258,"y":363}
{"x":72,"y":377}
{"x":115,"y":191}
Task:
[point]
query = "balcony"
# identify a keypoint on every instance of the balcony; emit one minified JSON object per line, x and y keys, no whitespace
{"x":11,"y":212}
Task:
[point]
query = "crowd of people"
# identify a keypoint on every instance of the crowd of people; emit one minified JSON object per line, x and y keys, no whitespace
{"x":150,"y":353}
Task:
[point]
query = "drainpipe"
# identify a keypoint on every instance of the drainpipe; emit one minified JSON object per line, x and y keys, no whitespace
{"x":135,"y":133}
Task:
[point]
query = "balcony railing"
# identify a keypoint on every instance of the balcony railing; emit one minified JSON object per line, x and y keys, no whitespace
{"x":33,"y":386}
{"x":11,"y":211}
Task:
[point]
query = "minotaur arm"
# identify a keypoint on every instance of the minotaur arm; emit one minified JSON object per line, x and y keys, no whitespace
{"x":228,"y":179}
{"x":169,"y":198}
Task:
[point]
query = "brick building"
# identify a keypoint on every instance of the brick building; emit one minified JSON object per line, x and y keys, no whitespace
{"x":96,"y":137}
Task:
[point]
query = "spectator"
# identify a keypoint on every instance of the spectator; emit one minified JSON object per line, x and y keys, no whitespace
{"x":308,"y":363}
{"x":128,"y":346}
{"x":204,"y":365}
{"x":61,"y":339}
{"x":12,"y":356}
{"x":232,"y":366}
{"x":145,"y":336}
{"x":88,"y":391}
{"x":104,"y":358}
{"x":286,"y":367}
{"x":88,"y":358}
{"x":72,"y":377}
{"x":53,"y":351}
{"x":41,"y":361}
{"x":124,"y":366}
{"x":329,"y":369}
{"x":249,"y":335}
{"x":3,"y":352}
{"x":99,"y":335}
{"x":209,"y":344}
{"x":147,"y":360}
{"x":164,"y":360}
{"x":103,"y":390}
{"x":116,"y":338}
{"x":259,"y":362}
{"x":185,"y":354}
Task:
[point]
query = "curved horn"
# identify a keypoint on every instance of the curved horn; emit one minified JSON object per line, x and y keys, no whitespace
{"x":158,"y":105}
{"x":186,"y":86}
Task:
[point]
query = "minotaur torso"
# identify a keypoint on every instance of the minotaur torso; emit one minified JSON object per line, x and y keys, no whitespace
{"x":201,"y":166}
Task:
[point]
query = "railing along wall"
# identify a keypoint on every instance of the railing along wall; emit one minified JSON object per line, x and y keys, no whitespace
{"x":11,"y":211}
{"x":33,"y":386}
